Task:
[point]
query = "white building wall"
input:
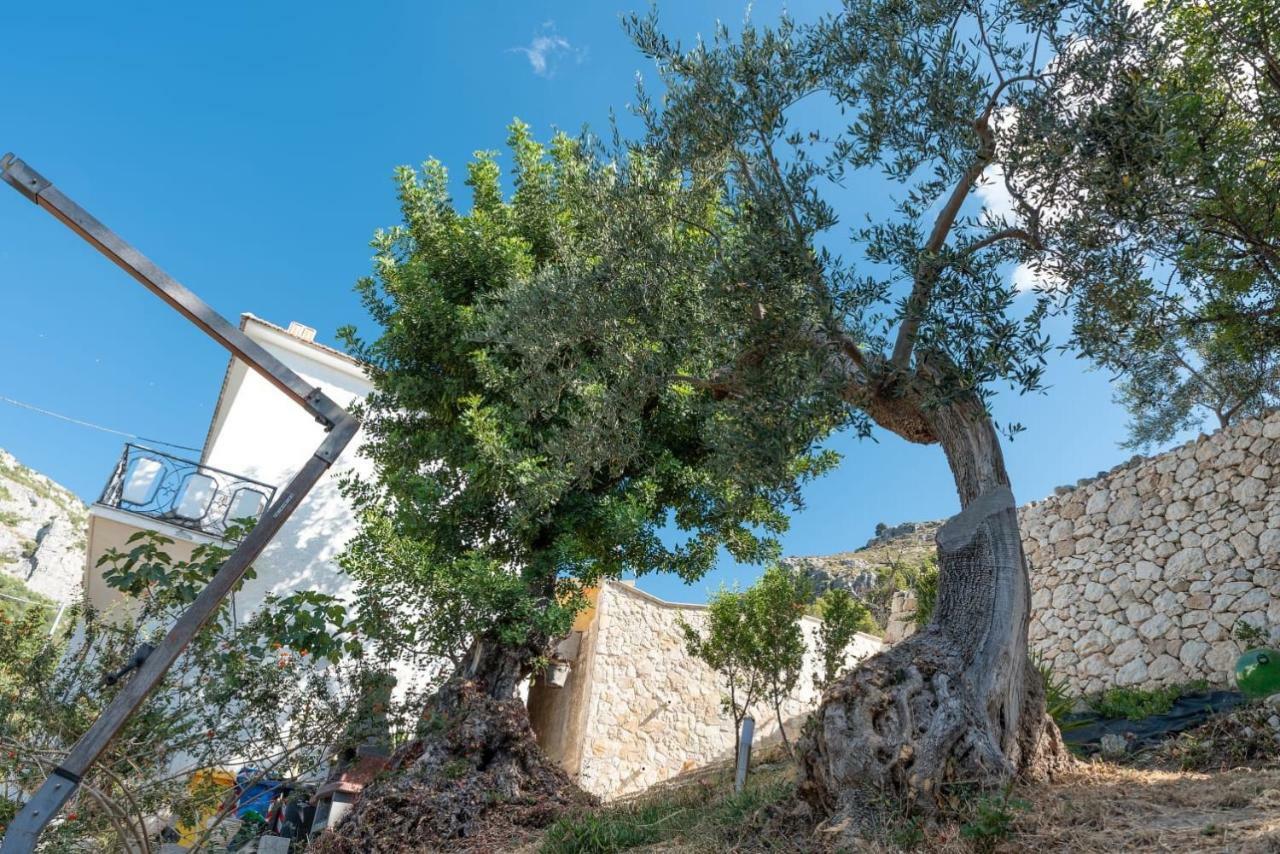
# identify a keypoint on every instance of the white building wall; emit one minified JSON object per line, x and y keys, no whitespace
{"x":260,"y":433}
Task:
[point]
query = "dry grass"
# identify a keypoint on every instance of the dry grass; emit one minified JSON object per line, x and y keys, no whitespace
{"x":1108,"y":808}
{"x":1099,"y":807}
{"x":1215,"y":788}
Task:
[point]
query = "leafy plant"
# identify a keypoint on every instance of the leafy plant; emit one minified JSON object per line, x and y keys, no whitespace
{"x":1250,"y":636}
{"x":1138,"y":703}
{"x":992,"y":820}
{"x":843,"y":616}
{"x":729,"y":647}
{"x":775,"y":603}
{"x":925,"y":585}
{"x":225,"y":700}
{"x":754,"y":642}
{"x":1058,"y":699}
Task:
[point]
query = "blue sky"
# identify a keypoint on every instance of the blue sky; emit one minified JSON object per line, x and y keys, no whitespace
{"x":247,"y":148}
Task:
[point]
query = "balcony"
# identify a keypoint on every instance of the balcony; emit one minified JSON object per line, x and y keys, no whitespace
{"x":169,"y":489}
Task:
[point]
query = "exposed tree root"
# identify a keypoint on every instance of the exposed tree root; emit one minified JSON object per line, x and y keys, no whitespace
{"x":957,"y":703}
{"x":476,"y":781}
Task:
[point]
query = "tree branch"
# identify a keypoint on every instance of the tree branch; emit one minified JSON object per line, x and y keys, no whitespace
{"x":1027,"y":237}
{"x":927,"y":267}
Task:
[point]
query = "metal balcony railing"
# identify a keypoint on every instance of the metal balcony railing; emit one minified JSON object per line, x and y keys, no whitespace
{"x":182,"y":492}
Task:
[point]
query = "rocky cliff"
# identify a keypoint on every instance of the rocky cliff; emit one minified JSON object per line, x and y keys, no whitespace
{"x":886,"y":564}
{"x":42,"y":531}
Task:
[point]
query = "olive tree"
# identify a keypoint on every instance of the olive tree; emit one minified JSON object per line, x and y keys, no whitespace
{"x":782,"y":340}
{"x":1159,"y":161}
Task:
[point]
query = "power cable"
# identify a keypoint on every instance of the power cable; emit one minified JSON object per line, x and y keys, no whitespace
{"x":92,"y":426}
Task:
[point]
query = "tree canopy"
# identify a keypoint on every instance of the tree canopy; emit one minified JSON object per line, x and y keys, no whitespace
{"x":1159,"y":162}
{"x":517,"y":463}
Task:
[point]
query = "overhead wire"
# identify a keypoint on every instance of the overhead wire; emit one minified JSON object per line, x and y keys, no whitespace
{"x":92,"y":426}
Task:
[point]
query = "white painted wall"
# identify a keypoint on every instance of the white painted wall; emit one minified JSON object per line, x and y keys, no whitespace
{"x":260,"y":433}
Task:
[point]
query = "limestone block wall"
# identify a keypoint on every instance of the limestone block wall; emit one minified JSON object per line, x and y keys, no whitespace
{"x":1140,"y":575}
{"x":651,"y":710}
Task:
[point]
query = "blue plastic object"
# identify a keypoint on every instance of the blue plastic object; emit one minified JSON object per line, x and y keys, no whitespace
{"x":254,"y":792}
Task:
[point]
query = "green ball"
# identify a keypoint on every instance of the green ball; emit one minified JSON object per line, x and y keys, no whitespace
{"x":1258,"y":672}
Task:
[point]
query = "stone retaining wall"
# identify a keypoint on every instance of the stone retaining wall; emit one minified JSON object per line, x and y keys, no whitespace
{"x":638,"y":709}
{"x":1140,"y":576}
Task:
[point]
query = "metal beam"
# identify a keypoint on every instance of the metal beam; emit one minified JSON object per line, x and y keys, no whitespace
{"x":35,"y":187}
{"x":24,"y":830}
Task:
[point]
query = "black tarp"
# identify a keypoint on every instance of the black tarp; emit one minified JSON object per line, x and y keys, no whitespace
{"x":1085,"y":731}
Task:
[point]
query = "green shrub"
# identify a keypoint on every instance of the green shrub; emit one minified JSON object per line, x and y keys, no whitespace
{"x":1058,"y":699}
{"x":1250,"y":636}
{"x":992,"y":820}
{"x":926,"y":589}
{"x":1138,"y":703}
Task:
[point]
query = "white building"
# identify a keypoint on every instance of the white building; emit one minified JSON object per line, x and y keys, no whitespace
{"x":257,"y":440}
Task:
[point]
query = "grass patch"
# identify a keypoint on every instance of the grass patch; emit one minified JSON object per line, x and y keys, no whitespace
{"x":1137,"y":703}
{"x":703,"y":815}
{"x":10,"y":519}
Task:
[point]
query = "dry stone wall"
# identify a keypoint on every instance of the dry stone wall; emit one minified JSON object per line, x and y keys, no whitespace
{"x":655,"y":711}
{"x":1140,"y":576}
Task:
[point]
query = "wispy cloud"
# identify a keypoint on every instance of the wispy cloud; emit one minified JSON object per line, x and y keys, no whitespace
{"x":548,"y":50}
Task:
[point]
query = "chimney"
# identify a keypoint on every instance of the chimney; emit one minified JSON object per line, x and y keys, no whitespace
{"x":297,"y":330}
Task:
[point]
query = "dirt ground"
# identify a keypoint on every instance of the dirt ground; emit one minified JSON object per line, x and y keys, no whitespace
{"x":1109,"y":808}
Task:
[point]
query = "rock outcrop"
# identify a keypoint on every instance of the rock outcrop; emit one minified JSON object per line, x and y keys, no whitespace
{"x":42,"y":531}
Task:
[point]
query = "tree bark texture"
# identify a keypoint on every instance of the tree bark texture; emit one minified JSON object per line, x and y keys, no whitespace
{"x":960,"y":700}
{"x":473,"y":780}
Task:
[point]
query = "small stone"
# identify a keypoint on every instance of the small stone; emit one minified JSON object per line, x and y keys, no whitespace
{"x":1269,"y":542}
{"x":1155,"y":627}
{"x":1126,"y":652}
{"x":1164,"y":668}
{"x":1124,"y":510}
{"x":1221,"y":658}
{"x":1113,"y":745}
{"x":1133,"y":673}
{"x":1138,"y":612}
{"x":1192,"y":654}
{"x":1246,"y":545}
{"x":1254,"y":600}
{"x":1146,"y":570}
{"x":1098,"y":502}
{"x":1249,"y":491}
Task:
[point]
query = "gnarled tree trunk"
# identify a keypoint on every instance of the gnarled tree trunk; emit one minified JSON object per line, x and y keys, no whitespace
{"x":474,"y":779}
{"x":958,"y":701}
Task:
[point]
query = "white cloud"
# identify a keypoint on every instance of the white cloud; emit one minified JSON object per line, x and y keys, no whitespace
{"x":994,"y":195}
{"x":548,"y":49}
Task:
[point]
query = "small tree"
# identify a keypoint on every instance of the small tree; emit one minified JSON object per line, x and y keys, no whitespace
{"x":755,"y":642}
{"x":775,"y":605}
{"x":843,"y":616}
{"x":729,"y":648}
